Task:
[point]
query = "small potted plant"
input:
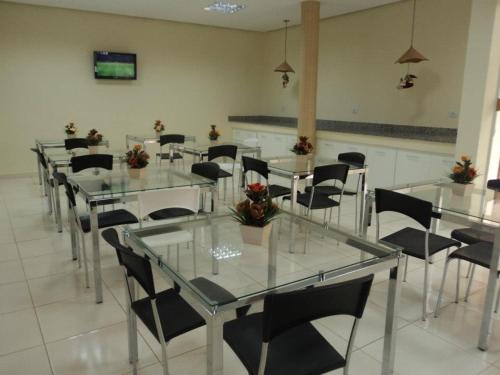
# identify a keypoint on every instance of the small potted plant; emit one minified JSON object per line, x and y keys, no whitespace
{"x":303,"y":146}
{"x":463,"y":173}
{"x":71,"y":130}
{"x":137,"y":160}
{"x":255,"y":214}
{"x":214,"y":134}
{"x":93,"y":140}
{"x":158,"y":127}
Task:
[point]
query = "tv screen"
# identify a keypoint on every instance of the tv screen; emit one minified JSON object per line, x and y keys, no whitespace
{"x":113,"y":65}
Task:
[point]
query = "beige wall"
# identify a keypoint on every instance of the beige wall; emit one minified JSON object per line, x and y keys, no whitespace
{"x":357,"y":70}
{"x":189,"y":76}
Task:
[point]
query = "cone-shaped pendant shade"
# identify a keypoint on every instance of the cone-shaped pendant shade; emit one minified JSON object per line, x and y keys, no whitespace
{"x":284,"y":67}
{"x":411,"y":56}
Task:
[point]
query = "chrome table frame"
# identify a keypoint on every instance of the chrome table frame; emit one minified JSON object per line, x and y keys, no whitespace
{"x":94,"y":202}
{"x":198,"y":155}
{"x":465,"y":220}
{"x":129,"y":138}
{"x":216,"y":315}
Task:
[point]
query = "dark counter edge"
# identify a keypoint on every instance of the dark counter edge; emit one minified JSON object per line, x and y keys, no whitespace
{"x":423,"y":133}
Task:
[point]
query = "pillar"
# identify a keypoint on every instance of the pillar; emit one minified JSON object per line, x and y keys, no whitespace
{"x":308,"y":84}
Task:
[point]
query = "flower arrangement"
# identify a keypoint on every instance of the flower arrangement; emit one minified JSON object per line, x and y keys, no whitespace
{"x":70,"y":129}
{"x":463,"y":172}
{"x":94,"y":138}
{"x":158,"y":126}
{"x":137,"y":158}
{"x":214,"y":133}
{"x":303,"y":146}
{"x":258,"y":209}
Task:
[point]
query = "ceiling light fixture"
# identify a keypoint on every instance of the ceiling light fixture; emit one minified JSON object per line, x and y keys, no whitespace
{"x":225,"y":7}
{"x":410,"y":56}
{"x":284,"y":67}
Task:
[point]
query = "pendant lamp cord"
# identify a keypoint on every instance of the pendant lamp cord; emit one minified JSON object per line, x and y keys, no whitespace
{"x":286,"y":35}
{"x":413,"y":22}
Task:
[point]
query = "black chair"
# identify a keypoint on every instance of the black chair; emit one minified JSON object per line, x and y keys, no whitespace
{"x":415,"y":242}
{"x":224,"y":151}
{"x":166,"y":314}
{"x":104,"y":220}
{"x":478,"y":254}
{"x":71,"y":143}
{"x":170,"y":139}
{"x":47,"y":181}
{"x":260,"y":167}
{"x":282,"y":341}
{"x":80,"y":163}
{"x":317,"y":201}
{"x":208,"y":170}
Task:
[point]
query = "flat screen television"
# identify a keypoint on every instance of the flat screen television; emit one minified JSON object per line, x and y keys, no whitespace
{"x":114,"y":65}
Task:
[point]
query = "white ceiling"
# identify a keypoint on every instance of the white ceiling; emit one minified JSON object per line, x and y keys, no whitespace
{"x":260,"y":15}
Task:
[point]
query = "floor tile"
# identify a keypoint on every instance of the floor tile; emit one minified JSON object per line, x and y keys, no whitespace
{"x":11,"y":271}
{"x":19,"y":330}
{"x":14,"y":296}
{"x":32,"y":361}
{"x":9,"y":252}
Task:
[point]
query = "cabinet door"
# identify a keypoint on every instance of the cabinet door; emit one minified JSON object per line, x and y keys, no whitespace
{"x":381,"y":165}
{"x":411,"y":167}
{"x":440,"y":166}
{"x":326,"y":149}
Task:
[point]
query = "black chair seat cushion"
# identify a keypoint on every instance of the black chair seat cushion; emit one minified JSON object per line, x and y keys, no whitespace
{"x":166,"y":155}
{"x":109,"y":219}
{"x":471,"y":236}
{"x":413,"y":242}
{"x":329,"y":190}
{"x":176,"y":316}
{"x":170,"y":213}
{"x":278,"y":191}
{"x":319,"y":202}
{"x":478,"y":253}
{"x":300,"y":350}
{"x":224,"y":174}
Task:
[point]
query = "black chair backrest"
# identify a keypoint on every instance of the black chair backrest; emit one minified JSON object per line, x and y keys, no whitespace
{"x":79,"y":163}
{"x":494,"y":184}
{"x":330,"y":172}
{"x":283,"y":311}
{"x":228,"y":151}
{"x":70,"y":194}
{"x":255,"y":165}
{"x":59,"y":177}
{"x":140,"y":269}
{"x":110,"y":235}
{"x":418,"y":209}
{"x":41,"y":159}
{"x":356,"y":158}
{"x":207,"y":169}
{"x":71,"y":143}
{"x":172,"y":138}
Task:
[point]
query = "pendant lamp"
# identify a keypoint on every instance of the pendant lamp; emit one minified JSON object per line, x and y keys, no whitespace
{"x":410,"y":56}
{"x":284,"y":67}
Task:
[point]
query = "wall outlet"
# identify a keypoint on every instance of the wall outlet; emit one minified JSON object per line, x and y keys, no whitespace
{"x":452,"y":114}
{"x":355,"y":110}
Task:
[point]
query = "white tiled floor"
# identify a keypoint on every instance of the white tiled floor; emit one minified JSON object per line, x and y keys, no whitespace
{"x":49,"y":323}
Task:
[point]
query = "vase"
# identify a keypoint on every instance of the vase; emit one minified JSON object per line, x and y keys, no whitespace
{"x":93,"y":150}
{"x":158,"y":134}
{"x":137,"y":173}
{"x":70,"y":136}
{"x":461,"y":189}
{"x":256,"y":235}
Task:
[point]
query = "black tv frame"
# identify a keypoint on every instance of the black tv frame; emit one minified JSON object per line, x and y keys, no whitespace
{"x":96,"y":53}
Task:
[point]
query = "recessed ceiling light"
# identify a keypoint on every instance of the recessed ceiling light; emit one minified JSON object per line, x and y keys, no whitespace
{"x":225,"y":7}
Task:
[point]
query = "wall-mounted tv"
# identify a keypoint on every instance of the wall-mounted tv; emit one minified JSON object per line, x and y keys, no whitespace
{"x":114,"y":65}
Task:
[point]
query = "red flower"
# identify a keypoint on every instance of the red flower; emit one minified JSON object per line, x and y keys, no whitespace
{"x":256,"y":188}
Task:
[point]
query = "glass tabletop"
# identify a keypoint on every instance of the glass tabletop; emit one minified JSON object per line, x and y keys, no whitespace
{"x":56,"y":155}
{"x":59,"y":143}
{"x":469,"y":200}
{"x":247,"y":271}
{"x":119,"y":182}
{"x":203,"y":147}
{"x":153,"y":138}
{"x":302,"y":164}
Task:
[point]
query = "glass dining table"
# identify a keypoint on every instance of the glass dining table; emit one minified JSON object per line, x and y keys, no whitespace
{"x":118,"y":187}
{"x":145,"y":140}
{"x":251,"y":272}
{"x":298,"y":167}
{"x":59,"y":158}
{"x":200,"y":150}
{"x":477,"y":208}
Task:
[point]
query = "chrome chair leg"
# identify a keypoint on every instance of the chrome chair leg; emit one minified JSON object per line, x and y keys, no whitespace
{"x":426,"y":290}
{"x":469,"y":283}
{"x":457,"y":287}
{"x":469,"y":270}
{"x":498,"y":300}
{"x":440,"y":295}
{"x":406,"y":268}
{"x":85,"y":263}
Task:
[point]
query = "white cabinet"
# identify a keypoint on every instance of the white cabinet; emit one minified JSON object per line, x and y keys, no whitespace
{"x":440,"y":166}
{"x":411,"y":167}
{"x":381,"y":164}
{"x":327,"y":149}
